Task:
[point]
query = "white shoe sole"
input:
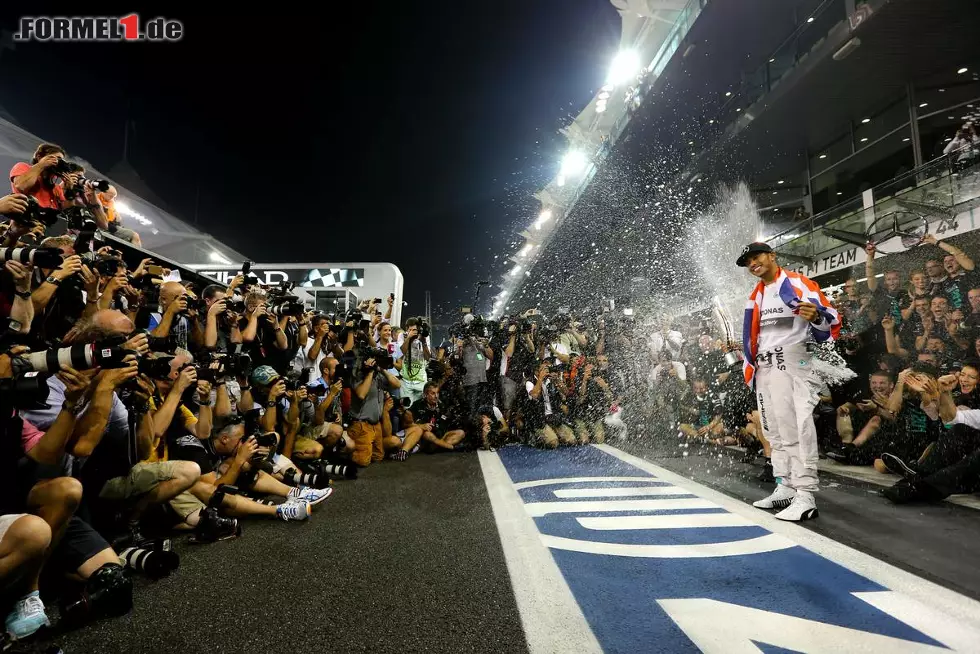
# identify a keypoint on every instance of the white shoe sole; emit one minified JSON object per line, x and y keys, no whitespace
{"x":809,"y":514}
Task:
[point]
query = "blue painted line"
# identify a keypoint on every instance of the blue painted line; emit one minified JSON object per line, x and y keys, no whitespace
{"x":618,"y":594}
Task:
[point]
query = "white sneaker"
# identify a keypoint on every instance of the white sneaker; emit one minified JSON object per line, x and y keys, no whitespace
{"x":780,"y":498}
{"x":294,"y":510}
{"x":312,"y":495}
{"x":803,"y":507}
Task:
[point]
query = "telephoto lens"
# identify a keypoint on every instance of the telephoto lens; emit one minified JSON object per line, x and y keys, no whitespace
{"x":79,"y":357}
{"x":40,"y":257}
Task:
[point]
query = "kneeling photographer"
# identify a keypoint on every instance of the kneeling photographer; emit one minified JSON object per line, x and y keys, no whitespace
{"x":547,"y":415}
{"x":370,"y":380}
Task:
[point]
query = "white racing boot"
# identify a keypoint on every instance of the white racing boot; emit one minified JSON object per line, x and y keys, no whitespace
{"x":803,"y":507}
{"x":780,"y":498}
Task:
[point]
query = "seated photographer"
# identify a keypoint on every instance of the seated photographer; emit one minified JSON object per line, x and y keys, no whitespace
{"x":369,"y":381}
{"x":404,"y":442}
{"x":546,"y":415}
{"x":278,"y":404}
{"x":181,"y":435}
{"x":230,"y":459}
{"x":438,"y":431}
{"x":107,"y":199}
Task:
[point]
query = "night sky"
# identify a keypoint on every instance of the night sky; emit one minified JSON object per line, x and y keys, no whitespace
{"x":414,"y":133}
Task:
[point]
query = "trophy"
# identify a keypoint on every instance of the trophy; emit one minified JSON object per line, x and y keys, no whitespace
{"x":724,"y":323}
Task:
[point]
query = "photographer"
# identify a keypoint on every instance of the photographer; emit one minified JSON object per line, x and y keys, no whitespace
{"x":107,"y":199}
{"x":230,"y":459}
{"x":415,"y":357}
{"x":38,"y":179}
{"x":324,"y":341}
{"x":173,"y":315}
{"x":261,"y":333}
{"x":53,"y":182}
{"x":434,"y":418}
{"x":593,"y":402}
{"x":547,"y":416}
{"x":221,"y":329}
{"x":517,"y":357}
{"x":370,"y":381}
{"x":475,"y":355}
{"x":61,"y":295}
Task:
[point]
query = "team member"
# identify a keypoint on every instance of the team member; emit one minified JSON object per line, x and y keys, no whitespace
{"x":784,"y":309}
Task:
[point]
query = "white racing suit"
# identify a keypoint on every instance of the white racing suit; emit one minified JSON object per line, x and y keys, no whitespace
{"x":786,"y":390}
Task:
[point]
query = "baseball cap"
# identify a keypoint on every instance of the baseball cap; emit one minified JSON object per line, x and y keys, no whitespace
{"x":264,"y":375}
{"x":749,"y":250}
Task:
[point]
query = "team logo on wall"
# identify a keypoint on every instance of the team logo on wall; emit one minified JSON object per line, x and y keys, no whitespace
{"x":334,"y":278}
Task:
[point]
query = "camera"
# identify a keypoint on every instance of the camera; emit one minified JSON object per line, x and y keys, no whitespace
{"x":235,"y":305}
{"x":36,"y":214}
{"x":163,"y":343}
{"x":155,"y":368}
{"x":316,"y":390}
{"x":83,"y":183}
{"x":248,"y":276}
{"x":265,"y":440}
{"x":26,"y":391}
{"x":77,"y":217}
{"x":40,"y":257}
{"x":289,"y":306}
{"x":79,"y":357}
{"x":107,"y":267}
{"x":382,"y":360}
{"x":296,"y":379}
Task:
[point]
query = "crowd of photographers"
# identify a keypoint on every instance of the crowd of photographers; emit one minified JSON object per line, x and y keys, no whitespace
{"x":137,"y":405}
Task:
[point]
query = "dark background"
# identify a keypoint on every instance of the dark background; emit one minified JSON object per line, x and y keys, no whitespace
{"x":376,"y":132}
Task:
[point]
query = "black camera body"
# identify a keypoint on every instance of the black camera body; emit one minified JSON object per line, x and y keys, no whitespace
{"x":382,"y":360}
{"x":36,"y":214}
{"x":295,"y":379}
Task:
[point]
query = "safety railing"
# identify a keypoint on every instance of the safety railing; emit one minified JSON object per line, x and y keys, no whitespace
{"x":940,"y":188}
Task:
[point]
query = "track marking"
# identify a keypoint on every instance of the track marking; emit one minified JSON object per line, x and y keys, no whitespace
{"x":619,"y":492}
{"x":758,"y":545}
{"x":538,"y":509}
{"x":666,"y":521}
{"x":938,"y":611}
{"x":553,"y":621}
{"x":578,"y":480}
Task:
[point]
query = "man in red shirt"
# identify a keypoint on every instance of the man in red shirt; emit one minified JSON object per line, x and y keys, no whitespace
{"x":36,"y":179}
{"x":39,"y":180}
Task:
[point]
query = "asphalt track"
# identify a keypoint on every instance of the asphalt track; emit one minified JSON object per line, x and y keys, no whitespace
{"x":467,"y":553}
